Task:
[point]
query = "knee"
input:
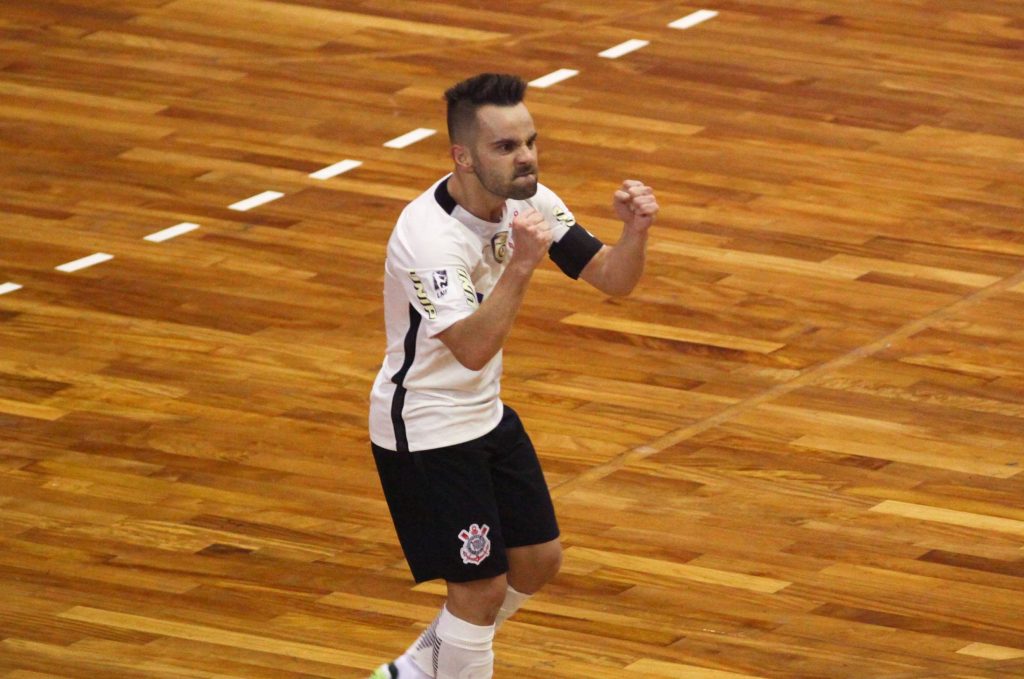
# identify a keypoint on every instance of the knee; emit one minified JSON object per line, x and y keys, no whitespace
{"x":477,"y":601}
{"x":551,"y":561}
{"x":533,"y":567}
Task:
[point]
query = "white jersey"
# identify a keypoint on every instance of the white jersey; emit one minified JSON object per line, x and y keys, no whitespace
{"x":442,"y":262}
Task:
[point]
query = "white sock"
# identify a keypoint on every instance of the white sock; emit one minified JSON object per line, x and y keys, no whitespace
{"x":513,"y":602}
{"x":408,"y":669}
{"x":420,"y":658}
{"x":465,"y":650}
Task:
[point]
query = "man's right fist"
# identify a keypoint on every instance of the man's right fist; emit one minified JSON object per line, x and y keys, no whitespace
{"x":531,"y":238}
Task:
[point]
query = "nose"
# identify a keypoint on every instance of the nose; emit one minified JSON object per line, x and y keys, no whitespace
{"x":526,"y":156}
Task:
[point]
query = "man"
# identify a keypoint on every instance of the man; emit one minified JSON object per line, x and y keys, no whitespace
{"x":461,"y":477}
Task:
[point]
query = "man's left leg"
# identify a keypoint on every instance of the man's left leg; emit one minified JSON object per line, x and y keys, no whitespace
{"x":527,"y":514}
{"x":529,"y":569}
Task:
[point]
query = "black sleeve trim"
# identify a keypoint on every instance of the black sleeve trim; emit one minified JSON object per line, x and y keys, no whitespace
{"x":577,"y":247}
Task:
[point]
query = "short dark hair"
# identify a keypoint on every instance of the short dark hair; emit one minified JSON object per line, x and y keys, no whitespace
{"x":466,"y":97}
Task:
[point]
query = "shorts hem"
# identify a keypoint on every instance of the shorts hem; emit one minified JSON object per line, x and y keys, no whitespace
{"x":421,"y":578}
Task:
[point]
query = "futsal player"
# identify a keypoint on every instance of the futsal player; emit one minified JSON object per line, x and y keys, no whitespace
{"x":460,"y":475}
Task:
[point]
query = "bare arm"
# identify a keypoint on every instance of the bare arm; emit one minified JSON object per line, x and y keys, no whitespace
{"x":476,"y":339}
{"x":615,"y":270}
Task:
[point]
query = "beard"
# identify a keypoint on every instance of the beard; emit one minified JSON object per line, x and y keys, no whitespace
{"x":519,"y":187}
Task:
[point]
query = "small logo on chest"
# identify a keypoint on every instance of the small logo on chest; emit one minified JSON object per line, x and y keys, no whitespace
{"x":499,"y":246}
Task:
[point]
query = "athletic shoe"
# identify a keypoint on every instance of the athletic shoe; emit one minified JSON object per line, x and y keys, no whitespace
{"x":385,"y":671}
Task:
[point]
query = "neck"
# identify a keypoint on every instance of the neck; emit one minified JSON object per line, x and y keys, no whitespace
{"x":470,"y":194}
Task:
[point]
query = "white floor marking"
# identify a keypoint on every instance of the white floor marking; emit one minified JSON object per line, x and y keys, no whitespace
{"x":85,"y":262}
{"x":553,"y":78}
{"x":255,"y":201}
{"x":173,"y":232}
{"x":9,"y":287}
{"x":336,"y":169}
{"x":410,"y":138}
{"x":624,"y":48}
{"x":692,"y":20}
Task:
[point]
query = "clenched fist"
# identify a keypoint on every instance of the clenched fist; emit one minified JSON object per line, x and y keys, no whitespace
{"x":635,"y":204}
{"x":531,"y":238}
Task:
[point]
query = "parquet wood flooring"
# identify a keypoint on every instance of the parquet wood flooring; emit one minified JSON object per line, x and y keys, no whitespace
{"x":793,"y":453}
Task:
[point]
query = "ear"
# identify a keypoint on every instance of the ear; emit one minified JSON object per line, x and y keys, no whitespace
{"x":462,"y":157}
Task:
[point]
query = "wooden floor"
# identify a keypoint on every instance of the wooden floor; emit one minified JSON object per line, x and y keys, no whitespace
{"x":795,"y":452}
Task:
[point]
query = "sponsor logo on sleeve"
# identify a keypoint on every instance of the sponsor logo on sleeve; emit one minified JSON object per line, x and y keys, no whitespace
{"x":476,"y":546}
{"x":467,"y":287}
{"x":421,"y":295}
{"x":564,"y":217}
{"x":441,"y":283}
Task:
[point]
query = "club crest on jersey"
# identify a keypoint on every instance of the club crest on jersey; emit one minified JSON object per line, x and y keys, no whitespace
{"x":476,"y":546}
{"x":441,"y":283}
{"x":564,"y":217}
{"x":499,"y":246}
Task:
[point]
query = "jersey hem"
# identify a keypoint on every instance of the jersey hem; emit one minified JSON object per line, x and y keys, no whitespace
{"x":428,"y":443}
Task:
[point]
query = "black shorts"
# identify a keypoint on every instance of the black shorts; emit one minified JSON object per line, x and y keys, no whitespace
{"x":458,"y":508}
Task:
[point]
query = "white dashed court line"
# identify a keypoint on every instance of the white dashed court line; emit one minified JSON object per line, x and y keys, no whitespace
{"x":9,"y":287}
{"x":85,"y":262}
{"x":553,"y":78}
{"x":173,"y":232}
{"x":410,"y":138}
{"x":255,"y":201}
{"x":336,"y":169}
{"x":691,"y":20}
{"x":624,"y":48}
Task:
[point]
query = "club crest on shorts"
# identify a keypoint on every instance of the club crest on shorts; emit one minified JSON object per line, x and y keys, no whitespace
{"x":476,"y":546}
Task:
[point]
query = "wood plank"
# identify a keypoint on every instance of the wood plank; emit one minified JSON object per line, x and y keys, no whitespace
{"x":990,"y":652}
{"x":220,"y":637}
{"x":676,"y":334}
{"x":681,"y":571}
{"x":659,"y":668}
{"x":311,"y":20}
{"x":951,"y":516}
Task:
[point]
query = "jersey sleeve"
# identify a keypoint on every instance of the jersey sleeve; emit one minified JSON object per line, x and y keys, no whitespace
{"x":442,"y":296}
{"x":573,"y":245}
{"x":433,"y":274}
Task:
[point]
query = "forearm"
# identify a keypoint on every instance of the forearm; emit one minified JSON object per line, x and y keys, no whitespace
{"x":617,"y":269}
{"x":476,"y":339}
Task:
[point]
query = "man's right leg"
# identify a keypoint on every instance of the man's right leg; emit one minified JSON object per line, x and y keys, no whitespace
{"x":458,"y":643}
{"x":444,"y":510}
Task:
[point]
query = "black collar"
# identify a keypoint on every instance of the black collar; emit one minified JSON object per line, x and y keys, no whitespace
{"x":443,"y":198}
